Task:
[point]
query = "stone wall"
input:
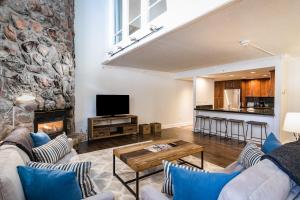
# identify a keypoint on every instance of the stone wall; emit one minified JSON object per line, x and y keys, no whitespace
{"x":36,"y":58}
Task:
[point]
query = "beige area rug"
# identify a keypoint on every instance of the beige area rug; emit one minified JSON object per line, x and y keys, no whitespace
{"x":102,"y":168}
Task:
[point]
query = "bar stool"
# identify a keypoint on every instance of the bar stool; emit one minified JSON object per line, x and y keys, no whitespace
{"x":219,"y":120}
{"x":238,"y":123}
{"x":261,"y":125}
{"x":203,"y":120}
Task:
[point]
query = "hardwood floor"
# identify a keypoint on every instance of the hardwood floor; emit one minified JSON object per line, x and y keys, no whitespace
{"x":217,"y":151}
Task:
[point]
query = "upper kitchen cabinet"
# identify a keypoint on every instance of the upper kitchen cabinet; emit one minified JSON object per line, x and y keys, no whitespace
{"x":265,"y":90}
{"x":233,"y":84}
{"x":253,"y":88}
{"x":219,"y":94}
{"x":272,"y":83}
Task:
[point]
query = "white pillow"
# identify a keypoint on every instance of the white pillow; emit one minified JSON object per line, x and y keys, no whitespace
{"x":263,"y":181}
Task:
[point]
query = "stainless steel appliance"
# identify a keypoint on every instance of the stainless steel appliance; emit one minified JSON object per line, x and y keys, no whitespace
{"x":232,"y":99}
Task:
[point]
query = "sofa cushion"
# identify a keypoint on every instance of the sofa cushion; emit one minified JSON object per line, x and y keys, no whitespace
{"x":53,"y":150}
{"x":82,"y":170}
{"x":250,"y":155}
{"x":195,"y":185}
{"x":262,"y":181}
{"x":49,"y":184}
{"x":40,"y":138}
{"x":10,"y":184}
{"x":167,"y":182}
{"x":271,"y":143}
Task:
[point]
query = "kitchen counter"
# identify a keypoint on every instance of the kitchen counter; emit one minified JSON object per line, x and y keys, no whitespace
{"x":254,"y":111}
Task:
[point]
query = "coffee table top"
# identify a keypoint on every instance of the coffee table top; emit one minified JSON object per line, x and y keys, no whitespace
{"x":139,"y":159}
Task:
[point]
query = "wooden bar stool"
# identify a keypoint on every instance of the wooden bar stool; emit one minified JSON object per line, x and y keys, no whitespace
{"x":219,"y":131}
{"x":238,"y":123}
{"x":262,"y":125}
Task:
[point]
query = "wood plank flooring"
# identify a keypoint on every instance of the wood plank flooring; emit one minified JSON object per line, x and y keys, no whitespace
{"x":217,"y":151}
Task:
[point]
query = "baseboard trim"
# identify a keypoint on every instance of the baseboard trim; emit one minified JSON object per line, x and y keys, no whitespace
{"x":165,"y":126}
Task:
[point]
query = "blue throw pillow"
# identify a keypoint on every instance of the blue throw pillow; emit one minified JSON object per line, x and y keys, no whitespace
{"x":271,"y":144}
{"x":49,"y":184}
{"x":198,"y":185}
{"x":40,"y":138}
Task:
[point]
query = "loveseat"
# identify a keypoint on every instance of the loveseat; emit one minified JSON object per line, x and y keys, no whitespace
{"x":263,"y":181}
{"x":10,"y":184}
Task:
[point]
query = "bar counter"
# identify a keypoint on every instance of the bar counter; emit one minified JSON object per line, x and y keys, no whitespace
{"x":253,"y":111}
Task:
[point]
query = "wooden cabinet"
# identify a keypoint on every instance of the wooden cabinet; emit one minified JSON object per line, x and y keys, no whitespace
{"x":106,"y":127}
{"x":272,"y":83}
{"x":219,"y":94}
{"x":265,"y":88}
{"x":233,"y":84}
{"x":253,"y":88}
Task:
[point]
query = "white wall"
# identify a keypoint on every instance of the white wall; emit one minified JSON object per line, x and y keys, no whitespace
{"x":205,"y":91}
{"x":155,"y":96}
{"x":292,"y":90}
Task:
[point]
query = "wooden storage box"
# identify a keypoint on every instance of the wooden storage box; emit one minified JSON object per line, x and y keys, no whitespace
{"x":144,"y":129}
{"x":155,"y":128}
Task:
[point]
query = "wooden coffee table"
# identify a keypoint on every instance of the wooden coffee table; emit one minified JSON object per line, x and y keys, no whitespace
{"x":139,"y":159}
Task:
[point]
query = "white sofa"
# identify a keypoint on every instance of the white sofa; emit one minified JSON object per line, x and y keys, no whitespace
{"x":10,"y":184}
{"x":264,"y":181}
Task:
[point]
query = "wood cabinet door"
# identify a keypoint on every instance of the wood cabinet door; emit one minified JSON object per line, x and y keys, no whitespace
{"x":265,"y":87}
{"x":272,"y":84}
{"x":236,"y":84}
{"x":218,"y":103}
{"x":256,"y":88}
{"x":249,"y":89}
{"x":228,"y":84}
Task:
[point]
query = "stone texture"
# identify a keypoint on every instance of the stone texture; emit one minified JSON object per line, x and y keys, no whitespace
{"x":10,"y":33}
{"x":36,"y":57}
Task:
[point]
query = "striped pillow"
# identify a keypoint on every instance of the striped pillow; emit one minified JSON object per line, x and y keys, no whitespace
{"x":82,"y":170}
{"x":167,"y":182}
{"x":53,"y":150}
{"x":250,"y":155}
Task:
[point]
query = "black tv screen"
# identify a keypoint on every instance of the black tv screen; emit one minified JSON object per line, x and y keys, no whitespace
{"x":112,"y":104}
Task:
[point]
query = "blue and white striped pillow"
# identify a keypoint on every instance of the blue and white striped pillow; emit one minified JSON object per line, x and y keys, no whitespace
{"x":167,"y":182}
{"x":53,"y":150}
{"x":82,"y":170}
{"x":250,"y":155}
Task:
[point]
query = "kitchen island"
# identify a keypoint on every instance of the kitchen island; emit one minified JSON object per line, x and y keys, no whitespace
{"x":253,"y":111}
{"x":246,"y":114}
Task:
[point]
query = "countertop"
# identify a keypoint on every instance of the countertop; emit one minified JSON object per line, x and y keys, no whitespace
{"x":254,"y":111}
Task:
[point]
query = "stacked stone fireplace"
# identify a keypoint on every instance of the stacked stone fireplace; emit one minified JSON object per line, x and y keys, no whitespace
{"x":36,"y":58}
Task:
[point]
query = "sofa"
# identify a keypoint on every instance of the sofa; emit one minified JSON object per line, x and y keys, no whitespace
{"x":10,"y":185}
{"x":263,"y":181}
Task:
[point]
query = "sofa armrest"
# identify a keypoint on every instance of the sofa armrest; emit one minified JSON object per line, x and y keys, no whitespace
{"x":235,"y":166}
{"x":102,"y":196}
{"x":150,"y":193}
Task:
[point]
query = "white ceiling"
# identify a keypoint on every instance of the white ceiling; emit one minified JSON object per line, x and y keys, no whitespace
{"x":214,"y":39}
{"x":246,"y":74}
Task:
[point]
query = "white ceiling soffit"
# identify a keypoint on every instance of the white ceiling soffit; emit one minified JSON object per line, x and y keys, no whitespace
{"x":214,"y":39}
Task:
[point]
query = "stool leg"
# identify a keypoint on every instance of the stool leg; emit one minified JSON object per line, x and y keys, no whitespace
{"x":231,"y":130}
{"x":244,"y":132}
{"x":247,"y":130}
{"x":195,"y":124}
{"x":226,"y":129}
{"x":238,"y":132}
{"x":261,"y":135}
{"x":251,"y":131}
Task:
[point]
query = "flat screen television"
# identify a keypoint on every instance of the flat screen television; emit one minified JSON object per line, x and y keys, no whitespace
{"x":109,"y":105}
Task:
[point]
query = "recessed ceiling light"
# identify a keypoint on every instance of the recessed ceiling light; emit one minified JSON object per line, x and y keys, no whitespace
{"x":265,"y":75}
{"x":231,"y":75}
{"x":244,"y":77}
{"x":252,"y":72}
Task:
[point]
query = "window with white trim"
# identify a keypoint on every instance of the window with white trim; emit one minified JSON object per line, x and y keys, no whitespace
{"x":118,"y":8}
{"x":134,"y":15}
{"x":156,"y":8}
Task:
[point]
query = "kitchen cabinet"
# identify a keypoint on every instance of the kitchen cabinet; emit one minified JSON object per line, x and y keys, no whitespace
{"x":272,"y":83}
{"x":219,"y":94}
{"x":253,"y":88}
{"x":265,"y":90}
{"x":233,"y":84}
